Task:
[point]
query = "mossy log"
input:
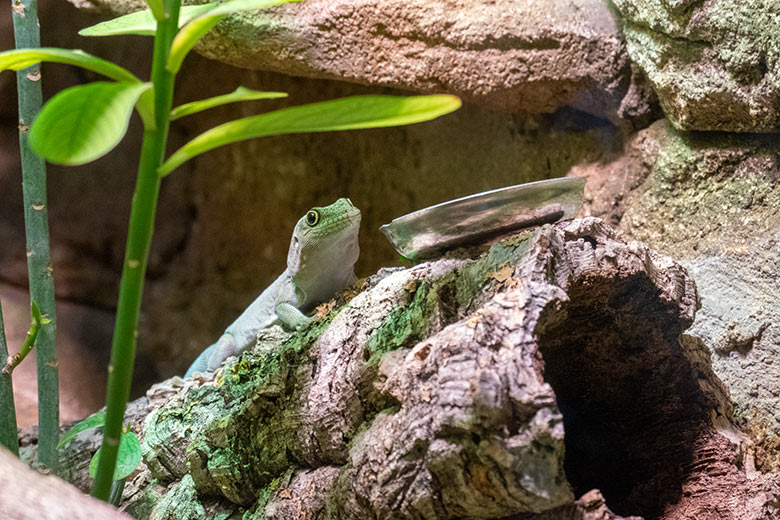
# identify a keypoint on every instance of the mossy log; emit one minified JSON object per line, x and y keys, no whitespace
{"x":497,"y":384}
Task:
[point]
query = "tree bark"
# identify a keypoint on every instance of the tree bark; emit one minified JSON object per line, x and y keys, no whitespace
{"x":497,"y":384}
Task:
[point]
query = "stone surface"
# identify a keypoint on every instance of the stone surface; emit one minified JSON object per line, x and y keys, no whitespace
{"x":714,"y":64}
{"x":712,"y":200}
{"x":28,"y":495}
{"x":529,"y":56}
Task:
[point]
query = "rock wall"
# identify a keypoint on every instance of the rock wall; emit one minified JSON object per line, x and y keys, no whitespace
{"x":713,"y":64}
{"x":559,"y":88}
{"x":533,"y":56}
{"x":711,"y":199}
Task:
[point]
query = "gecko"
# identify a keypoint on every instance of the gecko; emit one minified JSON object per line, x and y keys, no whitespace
{"x":320,"y":263}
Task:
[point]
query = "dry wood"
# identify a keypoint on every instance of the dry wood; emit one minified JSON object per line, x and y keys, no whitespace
{"x":495,"y":385}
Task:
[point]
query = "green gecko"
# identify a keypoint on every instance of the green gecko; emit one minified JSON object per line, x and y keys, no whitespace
{"x":320,"y":262}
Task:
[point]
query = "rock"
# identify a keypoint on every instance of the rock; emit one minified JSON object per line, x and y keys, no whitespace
{"x":714,"y":64}
{"x":28,"y":495}
{"x":532,"y":56}
{"x":712,"y":200}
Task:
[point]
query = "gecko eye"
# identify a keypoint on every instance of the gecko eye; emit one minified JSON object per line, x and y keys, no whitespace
{"x":313,"y":217}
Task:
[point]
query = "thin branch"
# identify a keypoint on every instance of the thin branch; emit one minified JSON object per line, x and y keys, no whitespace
{"x":36,"y":221}
{"x":29,"y":341}
{"x":9,"y":437}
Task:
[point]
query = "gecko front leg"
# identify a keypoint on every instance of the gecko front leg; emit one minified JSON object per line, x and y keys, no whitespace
{"x":225,"y":347}
{"x":291,"y":316}
{"x":211,"y":358}
{"x":202,"y":362}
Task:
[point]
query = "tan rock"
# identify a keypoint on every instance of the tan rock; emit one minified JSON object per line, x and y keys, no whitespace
{"x":27,"y":495}
{"x":531,"y":56}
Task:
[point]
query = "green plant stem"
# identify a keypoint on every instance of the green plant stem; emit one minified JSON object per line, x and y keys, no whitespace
{"x":115,"y":496}
{"x":39,"y":269}
{"x":29,"y":341}
{"x":139,"y":238}
{"x":8,"y":429}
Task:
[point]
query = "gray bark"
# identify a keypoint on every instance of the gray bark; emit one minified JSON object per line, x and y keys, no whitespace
{"x":498,"y":384}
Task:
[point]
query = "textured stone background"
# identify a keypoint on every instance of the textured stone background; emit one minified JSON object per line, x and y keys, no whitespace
{"x":713,"y":64}
{"x":551,"y":88}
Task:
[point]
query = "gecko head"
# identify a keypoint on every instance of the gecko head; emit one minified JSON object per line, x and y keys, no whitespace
{"x":326,"y":235}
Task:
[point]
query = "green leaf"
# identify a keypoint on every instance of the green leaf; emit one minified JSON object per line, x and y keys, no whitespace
{"x":142,"y":23}
{"x":82,"y":123}
{"x":36,"y":312}
{"x":240,"y":94}
{"x":145,"y":107}
{"x":19,"y":59}
{"x":127,"y":459}
{"x":339,"y":114}
{"x":93,"y":421}
{"x":192,"y":32}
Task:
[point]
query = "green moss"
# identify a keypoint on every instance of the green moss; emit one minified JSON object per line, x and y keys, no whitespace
{"x":405,"y":325}
{"x":265,"y":494}
{"x":707,"y":193}
{"x":181,"y":501}
{"x":475,"y":276}
{"x":145,"y":502}
{"x":713,"y":66}
{"x":246,"y":446}
{"x":451,"y":293}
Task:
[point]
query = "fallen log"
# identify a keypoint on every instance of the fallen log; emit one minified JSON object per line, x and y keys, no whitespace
{"x":487,"y":384}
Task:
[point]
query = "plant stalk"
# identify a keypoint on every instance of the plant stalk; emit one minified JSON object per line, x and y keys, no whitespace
{"x":39,"y":268}
{"x":139,"y":238}
{"x":8,"y":429}
{"x":29,"y":341}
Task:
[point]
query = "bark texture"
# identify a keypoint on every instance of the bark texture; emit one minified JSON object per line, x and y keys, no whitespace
{"x":494,"y":385}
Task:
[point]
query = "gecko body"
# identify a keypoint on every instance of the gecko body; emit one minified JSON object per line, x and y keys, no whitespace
{"x":320,"y":263}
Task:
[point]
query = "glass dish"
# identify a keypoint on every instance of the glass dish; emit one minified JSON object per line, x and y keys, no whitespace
{"x":477,"y":218}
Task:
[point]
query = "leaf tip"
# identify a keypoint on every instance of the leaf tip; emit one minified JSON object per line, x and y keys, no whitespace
{"x":451,"y":100}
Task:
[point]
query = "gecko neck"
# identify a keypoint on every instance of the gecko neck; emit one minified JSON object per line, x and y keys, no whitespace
{"x":326,"y":272}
